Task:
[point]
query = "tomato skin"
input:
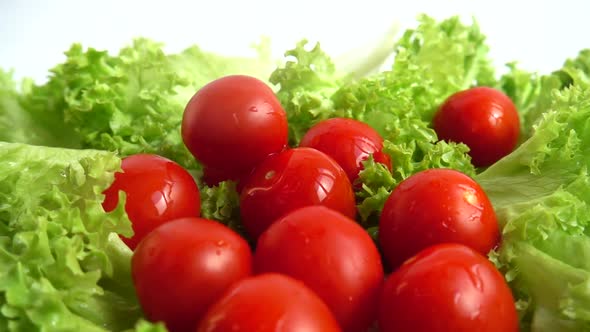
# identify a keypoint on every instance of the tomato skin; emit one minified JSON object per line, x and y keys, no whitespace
{"x":447,"y":288}
{"x":332,"y":255}
{"x":269,"y":303}
{"x":157,"y":190}
{"x":483,"y":118}
{"x":185,"y":265}
{"x":233,"y":123}
{"x":436,"y":206}
{"x":292,"y":179}
{"x":349,"y":142}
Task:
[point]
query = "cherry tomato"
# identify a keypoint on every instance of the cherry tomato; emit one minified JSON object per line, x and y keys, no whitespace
{"x":482,"y":118}
{"x":233,"y":123}
{"x":185,"y":265}
{"x":289,"y":180}
{"x":447,"y":288}
{"x":436,"y":206}
{"x":269,"y":303}
{"x":332,"y":255}
{"x":157,"y":190}
{"x":348,"y":141}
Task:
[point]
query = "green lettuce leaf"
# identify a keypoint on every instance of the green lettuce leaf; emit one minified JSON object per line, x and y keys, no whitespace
{"x":541,"y":193}
{"x":131,"y":102}
{"x":62,"y":266}
{"x":15,"y":123}
{"x":532,"y":93}
{"x":305,"y":83}
{"x":222,"y":203}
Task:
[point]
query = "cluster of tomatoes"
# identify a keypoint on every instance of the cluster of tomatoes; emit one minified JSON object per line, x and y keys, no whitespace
{"x":313,"y":267}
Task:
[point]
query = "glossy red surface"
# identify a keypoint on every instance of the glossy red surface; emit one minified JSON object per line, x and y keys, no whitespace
{"x":157,"y":190}
{"x":447,"y":288}
{"x":233,"y":123}
{"x":293,"y":179}
{"x":332,"y":255}
{"x":348,"y":141}
{"x":483,"y":118}
{"x":184,"y":266}
{"x":269,"y":303}
{"x":436,"y":206}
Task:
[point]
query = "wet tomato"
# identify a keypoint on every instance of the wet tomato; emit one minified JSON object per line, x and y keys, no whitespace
{"x":331,"y":254}
{"x":184,"y":266}
{"x":447,"y":288}
{"x":157,"y":190}
{"x":349,"y":142}
{"x":269,"y":303}
{"x":292,"y":179}
{"x":232,"y":124}
{"x":436,"y":206}
{"x":482,"y":118}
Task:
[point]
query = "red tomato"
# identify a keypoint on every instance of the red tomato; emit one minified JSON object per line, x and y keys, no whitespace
{"x":332,"y":255}
{"x":349,"y":142}
{"x":482,"y":118}
{"x":269,"y":303}
{"x":185,"y":265}
{"x":436,"y":206}
{"x":447,"y":288}
{"x":289,"y":180}
{"x":233,"y":123}
{"x":157,"y":190}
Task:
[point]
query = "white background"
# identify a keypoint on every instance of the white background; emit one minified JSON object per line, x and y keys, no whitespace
{"x":34,"y":34}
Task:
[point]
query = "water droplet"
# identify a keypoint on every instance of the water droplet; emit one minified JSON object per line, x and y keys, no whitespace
{"x":221,"y":243}
{"x":253,"y":109}
{"x":400,"y":287}
{"x":350,"y":299}
{"x":475,"y":275}
{"x":269,"y":175}
{"x":218,"y":252}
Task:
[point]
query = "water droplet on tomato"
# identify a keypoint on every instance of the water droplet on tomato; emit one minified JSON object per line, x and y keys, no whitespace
{"x":475,"y":276}
{"x":253,"y":109}
{"x":470,"y":196}
{"x":220,"y":243}
{"x":474,"y":217}
{"x":400,"y":288}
